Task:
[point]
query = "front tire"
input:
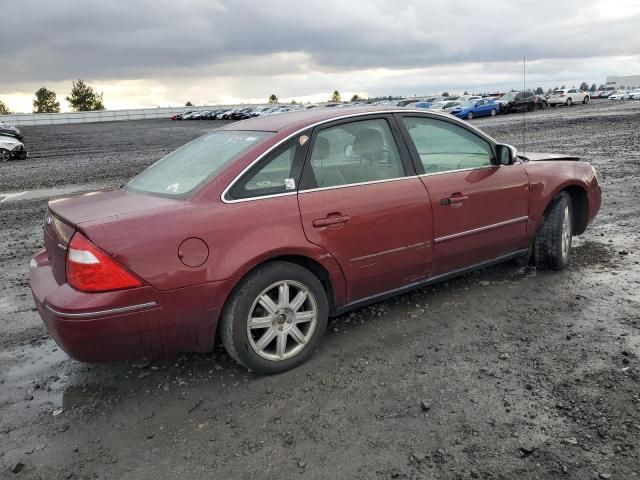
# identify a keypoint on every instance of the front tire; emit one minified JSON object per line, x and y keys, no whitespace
{"x":275,"y":318}
{"x":552,"y":244}
{"x":469,"y":115}
{"x":493,"y":112}
{"x":5,"y":155}
{"x":586,"y":100}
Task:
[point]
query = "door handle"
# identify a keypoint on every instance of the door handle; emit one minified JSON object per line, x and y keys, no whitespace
{"x":454,"y":199}
{"x":331,"y":219}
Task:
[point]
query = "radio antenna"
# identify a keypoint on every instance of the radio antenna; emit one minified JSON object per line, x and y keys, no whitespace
{"x":524,"y":116}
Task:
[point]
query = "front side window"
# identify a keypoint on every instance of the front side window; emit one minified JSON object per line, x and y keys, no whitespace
{"x":355,"y":152}
{"x":184,"y":169}
{"x":444,"y":146}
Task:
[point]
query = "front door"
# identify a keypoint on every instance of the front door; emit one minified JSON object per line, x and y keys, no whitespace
{"x":361,"y":201}
{"x":480,"y":209}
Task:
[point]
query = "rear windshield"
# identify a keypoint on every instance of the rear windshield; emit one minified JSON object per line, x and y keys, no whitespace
{"x":184,"y":169}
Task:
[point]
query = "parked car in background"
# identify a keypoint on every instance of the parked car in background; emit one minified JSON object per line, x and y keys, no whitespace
{"x":521,"y":101}
{"x":12,"y":149}
{"x":10,"y":130}
{"x":476,"y":108}
{"x":180,"y":116}
{"x":635,"y":95}
{"x":466,"y":98}
{"x":444,"y":105}
{"x":568,"y":96}
{"x":259,"y":231}
{"x":607,"y":92}
{"x":595,"y":94}
{"x":619,"y":95}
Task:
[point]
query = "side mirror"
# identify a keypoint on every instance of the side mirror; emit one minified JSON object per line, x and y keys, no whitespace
{"x":506,"y":154}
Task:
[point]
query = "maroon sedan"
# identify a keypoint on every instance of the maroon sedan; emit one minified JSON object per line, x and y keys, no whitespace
{"x":263,"y":229}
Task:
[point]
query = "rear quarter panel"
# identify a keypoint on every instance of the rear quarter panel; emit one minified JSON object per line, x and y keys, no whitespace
{"x":239,"y":236}
{"x":548,"y":178}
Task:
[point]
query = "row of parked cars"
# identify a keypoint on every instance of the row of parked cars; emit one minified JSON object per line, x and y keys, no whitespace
{"x":464,"y":106}
{"x":11,"y":146}
{"x":241,"y":113}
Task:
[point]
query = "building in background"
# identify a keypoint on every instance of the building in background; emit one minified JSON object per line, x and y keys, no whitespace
{"x":627,"y":81}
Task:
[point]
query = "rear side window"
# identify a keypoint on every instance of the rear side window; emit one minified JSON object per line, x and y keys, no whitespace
{"x":277,"y":173}
{"x":180,"y":172}
{"x":355,"y":152}
{"x":443,"y":146}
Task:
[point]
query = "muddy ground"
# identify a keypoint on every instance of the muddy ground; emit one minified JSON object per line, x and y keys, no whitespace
{"x":506,"y":373}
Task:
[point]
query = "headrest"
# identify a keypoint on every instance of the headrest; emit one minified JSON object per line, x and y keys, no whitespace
{"x":368,"y":141}
{"x":321,"y":149}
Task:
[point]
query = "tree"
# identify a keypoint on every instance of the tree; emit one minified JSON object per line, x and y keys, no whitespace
{"x":188,"y":104}
{"x":562,"y":87}
{"x":445,"y":94}
{"x":335,"y":97}
{"x":84,"y":98}
{"x":593,"y":87}
{"x":3,"y":109}
{"x":356,"y":98}
{"x":46,"y":101}
{"x":584,"y":86}
{"x":466,"y":93}
{"x":539,"y":91}
{"x":273,"y":98}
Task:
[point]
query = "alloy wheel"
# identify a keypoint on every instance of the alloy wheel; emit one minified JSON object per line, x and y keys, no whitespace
{"x":566,"y":232}
{"x":282,"y":320}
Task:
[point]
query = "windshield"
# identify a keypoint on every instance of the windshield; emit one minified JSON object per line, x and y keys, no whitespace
{"x":469,"y":103}
{"x":183,"y":170}
{"x":437,"y":105}
{"x":509,"y":96}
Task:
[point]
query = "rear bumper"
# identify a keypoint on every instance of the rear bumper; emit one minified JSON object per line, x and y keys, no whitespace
{"x":128,"y":324}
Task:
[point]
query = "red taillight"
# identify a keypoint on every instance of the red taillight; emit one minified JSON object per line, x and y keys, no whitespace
{"x":562,"y":94}
{"x":89,"y":269}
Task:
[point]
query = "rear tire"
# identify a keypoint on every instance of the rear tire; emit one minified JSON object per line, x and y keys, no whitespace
{"x":552,"y":244}
{"x":493,"y":112}
{"x":569,"y":102}
{"x":272,"y":336}
{"x":5,"y":155}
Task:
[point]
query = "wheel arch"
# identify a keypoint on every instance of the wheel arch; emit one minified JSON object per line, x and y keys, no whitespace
{"x":328,"y":272}
{"x":579,"y":206}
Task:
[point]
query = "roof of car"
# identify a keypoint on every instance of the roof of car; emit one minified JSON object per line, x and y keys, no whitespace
{"x":302,"y":118}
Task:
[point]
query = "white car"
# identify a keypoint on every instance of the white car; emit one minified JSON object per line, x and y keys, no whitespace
{"x":12,"y":149}
{"x":568,"y":96}
{"x":445,"y":105}
{"x":635,"y":95}
{"x":466,"y":98}
{"x":619,"y":96}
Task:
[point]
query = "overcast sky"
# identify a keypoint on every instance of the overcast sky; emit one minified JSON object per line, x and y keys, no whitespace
{"x":163,"y":53}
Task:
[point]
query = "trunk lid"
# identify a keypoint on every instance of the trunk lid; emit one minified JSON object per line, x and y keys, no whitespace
{"x":65,"y":215}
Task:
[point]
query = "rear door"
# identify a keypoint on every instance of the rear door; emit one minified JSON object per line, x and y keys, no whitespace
{"x":480,"y":210}
{"x":360,"y":200}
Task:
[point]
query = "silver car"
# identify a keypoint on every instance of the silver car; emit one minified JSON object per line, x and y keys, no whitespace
{"x":12,"y":149}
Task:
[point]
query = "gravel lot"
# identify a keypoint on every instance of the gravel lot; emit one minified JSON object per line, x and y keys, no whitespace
{"x":506,"y":373}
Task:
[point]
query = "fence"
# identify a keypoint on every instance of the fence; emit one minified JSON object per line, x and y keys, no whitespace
{"x":22,"y":119}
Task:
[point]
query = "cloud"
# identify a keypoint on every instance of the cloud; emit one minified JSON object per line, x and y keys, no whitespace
{"x":259,"y":45}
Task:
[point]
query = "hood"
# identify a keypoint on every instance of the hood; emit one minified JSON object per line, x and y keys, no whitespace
{"x":9,"y":142}
{"x":86,"y":207}
{"x":540,"y":157}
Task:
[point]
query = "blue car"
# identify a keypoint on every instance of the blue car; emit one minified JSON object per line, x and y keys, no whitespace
{"x":476,"y":108}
